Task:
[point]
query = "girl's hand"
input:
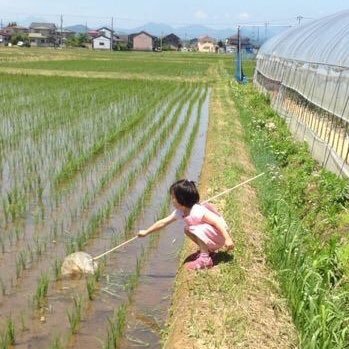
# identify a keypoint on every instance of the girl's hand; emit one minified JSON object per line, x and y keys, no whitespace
{"x":142,"y":233}
{"x":229,"y":244}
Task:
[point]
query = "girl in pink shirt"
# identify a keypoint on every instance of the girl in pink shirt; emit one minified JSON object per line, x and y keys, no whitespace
{"x":203,"y":224}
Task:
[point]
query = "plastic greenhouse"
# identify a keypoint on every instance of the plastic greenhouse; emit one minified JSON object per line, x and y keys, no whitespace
{"x":306,"y":72}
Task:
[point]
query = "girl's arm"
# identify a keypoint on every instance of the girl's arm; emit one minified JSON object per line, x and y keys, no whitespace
{"x":158,"y":225}
{"x":218,"y":222}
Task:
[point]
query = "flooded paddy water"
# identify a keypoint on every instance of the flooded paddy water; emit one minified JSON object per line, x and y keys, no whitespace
{"x":61,"y":195}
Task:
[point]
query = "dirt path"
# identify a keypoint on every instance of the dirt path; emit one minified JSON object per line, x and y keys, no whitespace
{"x":237,"y":303}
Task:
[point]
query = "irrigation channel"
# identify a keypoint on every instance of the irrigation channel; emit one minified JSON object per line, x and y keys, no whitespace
{"x":113,"y":181}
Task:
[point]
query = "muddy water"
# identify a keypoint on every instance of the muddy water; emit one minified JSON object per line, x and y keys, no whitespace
{"x":8,"y":260}
{"x":151,"y":301}
{"x":155,"y":283}
{"x":57,"y":311}
{"x":122,"y":263}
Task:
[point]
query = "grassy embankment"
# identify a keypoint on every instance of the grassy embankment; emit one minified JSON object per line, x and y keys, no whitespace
{"x":302,"y":234}
{"x":306,"y":210}
{"x":237,"y":303}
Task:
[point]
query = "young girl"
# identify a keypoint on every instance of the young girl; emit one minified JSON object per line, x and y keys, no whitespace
{"x":203,"y":224}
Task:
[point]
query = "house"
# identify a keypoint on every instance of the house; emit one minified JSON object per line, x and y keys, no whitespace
{"x":43,"y":34}
{"x":66,"y":34}
{"x":91,"y":34}
{"x":101,"y":38}
{"x":142,"y":41}
{"x":207,"y":44}
{"x":101,"y":42}
{"x":171,"y":42}
{"x":105,"y":31}
{"x":14,"y":29}
{"x":4,"y":38}
{"x":233,"y":41}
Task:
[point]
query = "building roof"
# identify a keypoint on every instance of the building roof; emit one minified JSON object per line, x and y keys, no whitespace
{"x":36,"y":36}
{"x":206,"y":38}
{"x":100,"y":36}
{"x":131,"y":36}
{"x":101,"y":28}
{"x":16,"y":27}
{"x":37,"y":25}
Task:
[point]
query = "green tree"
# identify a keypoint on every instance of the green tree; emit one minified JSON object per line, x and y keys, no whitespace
{"x":15,"y":38}
{"x":78,"y":40}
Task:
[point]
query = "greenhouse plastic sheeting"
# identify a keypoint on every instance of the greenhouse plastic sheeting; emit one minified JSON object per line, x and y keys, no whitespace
{"x":324,"y":41}
{"x":312,"y":60}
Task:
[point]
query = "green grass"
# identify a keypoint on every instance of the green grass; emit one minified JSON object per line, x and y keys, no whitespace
{"x":151,"y":64}
{"x":185,"y":69}
{"x":302,"y":203}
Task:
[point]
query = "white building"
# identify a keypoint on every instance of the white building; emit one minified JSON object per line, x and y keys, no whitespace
{"x":101,"y":42}
{"x":207,"y":44}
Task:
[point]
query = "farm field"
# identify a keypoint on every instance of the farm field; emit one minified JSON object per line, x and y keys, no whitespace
{"x":153,"y":66}
{"x":85,"y":163}
{"x":90,"y":143}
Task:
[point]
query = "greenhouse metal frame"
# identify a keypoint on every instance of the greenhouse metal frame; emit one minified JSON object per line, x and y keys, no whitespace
{"x":305,"y":70}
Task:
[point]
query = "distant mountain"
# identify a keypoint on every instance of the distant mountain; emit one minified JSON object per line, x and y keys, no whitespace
{"x":156,"y":29}
{"x":78,"y":28}
{"x":193,"y":31}
{"x":187,"y":32}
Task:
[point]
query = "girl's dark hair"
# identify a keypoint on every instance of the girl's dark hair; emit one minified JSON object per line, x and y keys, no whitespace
{"x":185,"y":193}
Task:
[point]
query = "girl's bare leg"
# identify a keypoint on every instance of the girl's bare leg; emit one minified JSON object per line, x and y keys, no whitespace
{"x":203,"y":248}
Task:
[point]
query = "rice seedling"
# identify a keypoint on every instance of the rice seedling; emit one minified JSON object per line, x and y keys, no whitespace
{"x":56,"y":343}
{"x":75,"y":314}
{"x":2,"y":287}
{"x":91,"y":285}
{"x":40,"y":295}
{"x":4,"y":341}
{"x":2,"y":244}
{"x":72,"y":145}
{"x":23,"y":326}
{"x":57,"y":265}
{"x":116,"y":328}
{"x":10,"y":332}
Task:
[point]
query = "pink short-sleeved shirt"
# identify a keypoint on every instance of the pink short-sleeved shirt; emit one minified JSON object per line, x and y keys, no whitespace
{"x":195,"y":225}
{"x":195,"y":216}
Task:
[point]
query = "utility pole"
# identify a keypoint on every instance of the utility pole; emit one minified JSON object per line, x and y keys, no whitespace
{"x":299,"y":18}
{"x":61,"y":41}
{"x":112,"y":34}
{"x":266,"y":30}
{"x":1,"y":24}
{"x":239,"y":73}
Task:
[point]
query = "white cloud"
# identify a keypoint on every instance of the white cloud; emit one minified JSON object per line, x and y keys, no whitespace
{"x":244,"y":15}
{"x":200,"y":14}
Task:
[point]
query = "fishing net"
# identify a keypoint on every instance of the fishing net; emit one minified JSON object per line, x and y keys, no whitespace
{"x":78,"y":263}
{"x":83,"y":263}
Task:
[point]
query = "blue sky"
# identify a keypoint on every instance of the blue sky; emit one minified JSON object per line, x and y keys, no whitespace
{"x":131,"y":13}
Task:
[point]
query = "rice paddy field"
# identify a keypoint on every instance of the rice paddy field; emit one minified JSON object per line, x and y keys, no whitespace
{"x":89,"y":145}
